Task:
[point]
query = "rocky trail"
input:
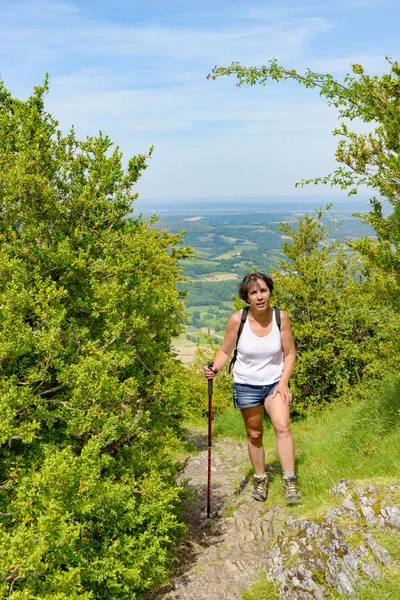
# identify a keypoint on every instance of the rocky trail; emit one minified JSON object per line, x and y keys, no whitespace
{"x":305,"y":559}
{"x":227,"y":553}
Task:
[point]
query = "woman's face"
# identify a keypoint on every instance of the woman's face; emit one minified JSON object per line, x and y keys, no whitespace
{"x":259,"y":295}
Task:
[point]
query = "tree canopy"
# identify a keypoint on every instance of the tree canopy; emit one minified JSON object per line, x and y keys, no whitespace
{"x":371,"y":159}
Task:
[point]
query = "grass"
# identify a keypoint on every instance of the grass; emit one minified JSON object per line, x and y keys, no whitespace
{"x":229,"y":239}
{"x":206,"y":253}
{"x":222,"y":275}
{"x":387,"y":588}
{"x":262,"y":590}
{"x":205,"y":237}
{"x":389,"y":585}
{"x":230,"y":424}
{"x":346,"y":441}
{"x":203,"y":309}
{"x":187,"y":262}
{"x":226,"y":255}
{"x":390,"y":540}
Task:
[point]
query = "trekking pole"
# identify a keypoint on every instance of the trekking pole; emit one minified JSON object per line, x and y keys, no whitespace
{"x":210,"y":391}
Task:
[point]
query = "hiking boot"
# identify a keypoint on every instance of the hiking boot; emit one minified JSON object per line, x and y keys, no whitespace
{"x":260,"y":491}
{"x":292,"y":490}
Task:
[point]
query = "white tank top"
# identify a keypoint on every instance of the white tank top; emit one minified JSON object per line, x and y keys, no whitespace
{"x":259,"y":359}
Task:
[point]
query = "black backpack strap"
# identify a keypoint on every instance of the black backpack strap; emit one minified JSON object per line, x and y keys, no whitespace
{"x":277,"y":317}
{"x":242,"y":322}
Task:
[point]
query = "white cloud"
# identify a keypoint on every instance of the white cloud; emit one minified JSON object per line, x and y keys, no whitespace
{"x":181,"y":107}
{"x":239,"y":166}
{"x":52,"y":38}
{"x":146,"y":84}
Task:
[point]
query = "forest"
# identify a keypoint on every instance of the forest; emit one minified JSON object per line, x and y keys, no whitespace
{"x":94,"y":401}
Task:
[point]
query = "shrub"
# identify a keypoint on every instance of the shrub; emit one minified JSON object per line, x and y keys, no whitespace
{"x":343,"y":323}
{"x":89,"y":394}
{"x":195,"y":385}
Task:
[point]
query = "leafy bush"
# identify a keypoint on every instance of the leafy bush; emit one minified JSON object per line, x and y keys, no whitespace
{"x":344,"y":324}
{"x":343,"y":316}
{"x":195,"y":389}
{"x":89,"y":394}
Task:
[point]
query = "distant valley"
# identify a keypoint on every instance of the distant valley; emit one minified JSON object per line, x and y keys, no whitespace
{"x":231,"y":237}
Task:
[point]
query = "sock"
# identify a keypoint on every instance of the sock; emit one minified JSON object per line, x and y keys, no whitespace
{"x":259,"y":476}
{"x":288,"y":473}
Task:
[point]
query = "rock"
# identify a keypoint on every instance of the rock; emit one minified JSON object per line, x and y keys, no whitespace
{"x":333,"y":513}
{"x":294,"y":548}
{"x":391,"y":515}
{"x":380,"y":522}
{"x":371,"y":570}
{"x":366,"y":500}
{"x":291,"y":520}
{"x":344,"y":585}
{"x":311,"y":529}
{"x":303,"y":581}
{"x":368,"y":513}
{"x":227,"y":554}
{"x":381,"y":553}
{"x":350,"y":562}
{"x":394,"y":488}
{"x":320,"y":552}
{"x":342,"y":487}
{"x":361,"y":551}
{"x":349,"y":505}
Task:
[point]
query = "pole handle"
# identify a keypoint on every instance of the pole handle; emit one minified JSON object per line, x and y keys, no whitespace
{"x":210,"y":381}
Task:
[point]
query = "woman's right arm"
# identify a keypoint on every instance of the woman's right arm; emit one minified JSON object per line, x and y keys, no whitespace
{"x":227,"y":345}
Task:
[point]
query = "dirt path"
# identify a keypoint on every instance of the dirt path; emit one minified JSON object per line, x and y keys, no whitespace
{"x":225,"y":554}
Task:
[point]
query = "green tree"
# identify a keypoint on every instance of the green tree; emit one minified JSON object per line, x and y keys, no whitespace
{"x":344,"y":325}
{"x":89,"y":393}
{"x":371,"y":159}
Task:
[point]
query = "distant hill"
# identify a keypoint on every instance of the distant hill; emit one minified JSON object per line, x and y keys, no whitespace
{"x":232,"y":236}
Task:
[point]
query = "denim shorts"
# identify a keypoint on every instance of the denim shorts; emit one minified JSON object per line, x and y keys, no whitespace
{"x":248,"y":396}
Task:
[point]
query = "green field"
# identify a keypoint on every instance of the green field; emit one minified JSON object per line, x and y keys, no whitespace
{"x":227,"y":247}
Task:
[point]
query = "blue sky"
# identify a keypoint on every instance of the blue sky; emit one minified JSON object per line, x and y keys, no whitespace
{"x":137,"y":71}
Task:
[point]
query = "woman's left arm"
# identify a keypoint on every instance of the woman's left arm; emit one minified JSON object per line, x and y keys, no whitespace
{"x":289,"y":352}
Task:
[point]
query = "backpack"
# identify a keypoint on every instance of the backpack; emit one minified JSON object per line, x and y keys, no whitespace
{"x":242,"y":322}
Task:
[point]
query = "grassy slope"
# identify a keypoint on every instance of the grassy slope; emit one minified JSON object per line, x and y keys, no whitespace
{"x":358,"y":439}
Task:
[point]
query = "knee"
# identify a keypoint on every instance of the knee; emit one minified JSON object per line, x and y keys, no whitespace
{"x":282,"y":427}
{"x":255,"y":437}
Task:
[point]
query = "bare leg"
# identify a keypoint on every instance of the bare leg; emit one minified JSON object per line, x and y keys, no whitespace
{"x":253,"y":420}
{"x":279,"y":414}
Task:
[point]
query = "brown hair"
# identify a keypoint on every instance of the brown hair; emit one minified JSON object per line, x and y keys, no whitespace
{"x":249,"y":280}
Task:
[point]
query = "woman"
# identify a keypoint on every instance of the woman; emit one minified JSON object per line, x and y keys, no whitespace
{"x":264,"y":364}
